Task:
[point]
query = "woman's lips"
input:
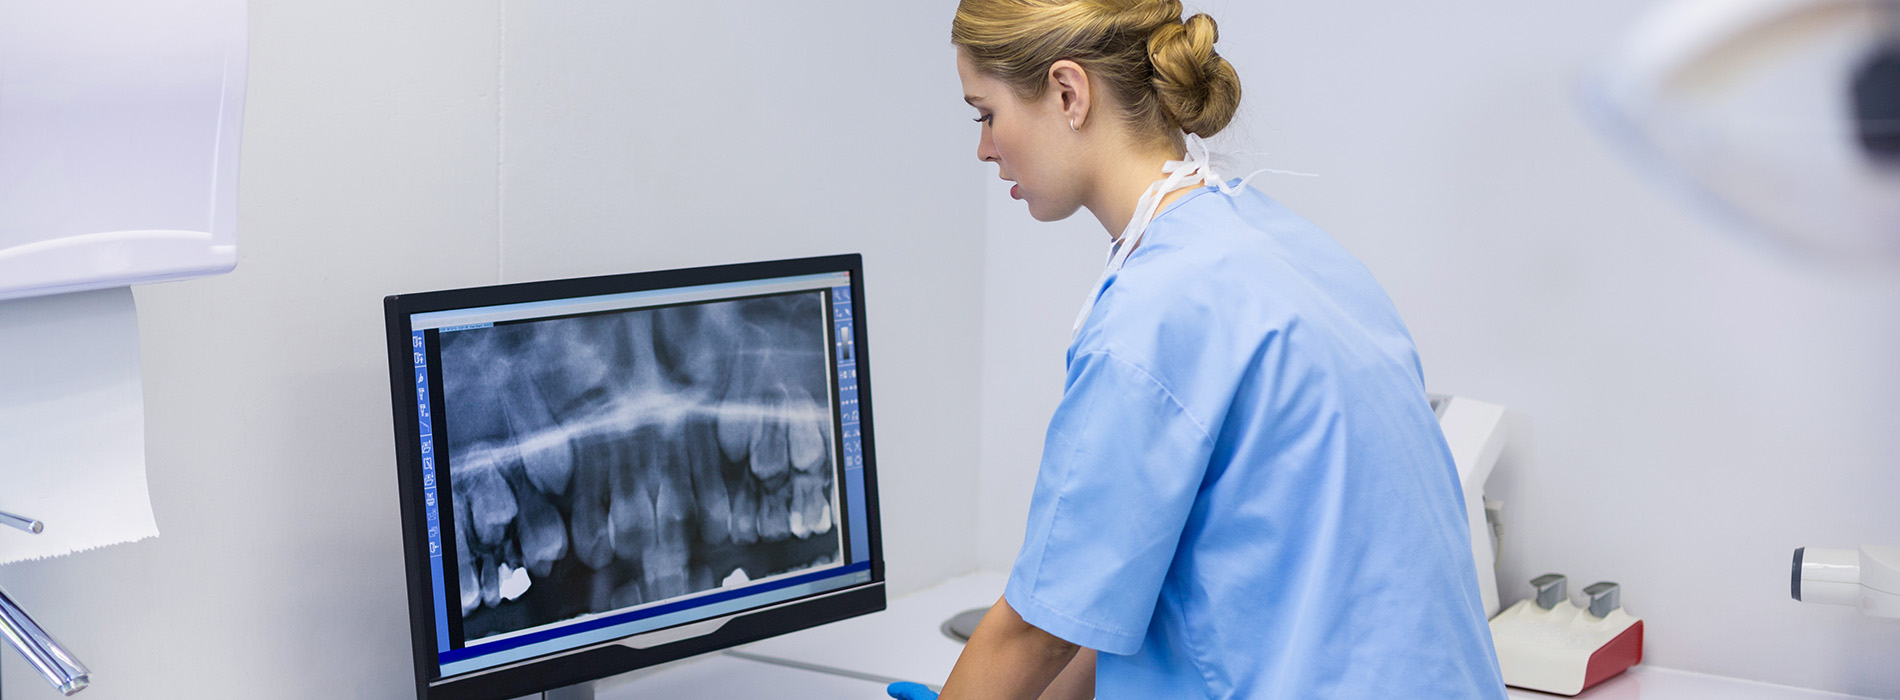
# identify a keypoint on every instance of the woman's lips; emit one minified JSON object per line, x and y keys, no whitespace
{"x":1016,"y":191}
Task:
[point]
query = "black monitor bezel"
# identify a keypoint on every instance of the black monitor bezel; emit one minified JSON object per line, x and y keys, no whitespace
{"x":568,"y":668}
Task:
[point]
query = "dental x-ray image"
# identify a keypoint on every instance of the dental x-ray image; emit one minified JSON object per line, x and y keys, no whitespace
{"x":605,"y":461}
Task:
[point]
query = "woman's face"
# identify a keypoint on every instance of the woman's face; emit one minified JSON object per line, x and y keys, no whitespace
{"x":1029,"y":141}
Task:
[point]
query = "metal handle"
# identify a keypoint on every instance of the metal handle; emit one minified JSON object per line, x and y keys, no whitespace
{"x":1605,"y":597}
{"x":22,"y":522}
{"x":53,"y":662}
{"x":1551,"y":590}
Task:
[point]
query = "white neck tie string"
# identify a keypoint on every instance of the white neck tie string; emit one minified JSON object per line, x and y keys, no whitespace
{"x":1195,"y":169}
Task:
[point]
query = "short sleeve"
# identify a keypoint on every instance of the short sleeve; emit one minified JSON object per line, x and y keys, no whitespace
{"x":1121,"y":466}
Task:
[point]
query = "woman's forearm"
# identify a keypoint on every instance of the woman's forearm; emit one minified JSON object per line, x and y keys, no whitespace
{"x":1007,"y":659}
{"x":1077,"y":681}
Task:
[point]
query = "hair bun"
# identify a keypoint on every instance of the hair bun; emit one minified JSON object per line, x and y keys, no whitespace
{"x":1199,"y":90}
{"x":1161,"y":70}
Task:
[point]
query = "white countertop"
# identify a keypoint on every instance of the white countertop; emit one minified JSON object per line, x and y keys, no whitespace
{"x":905,"y":642}
{"x":1650,"y":683}
{"x":722,"y":677}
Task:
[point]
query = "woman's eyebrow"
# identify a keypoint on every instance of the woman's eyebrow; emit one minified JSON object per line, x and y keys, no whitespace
{"x":973,"y":99}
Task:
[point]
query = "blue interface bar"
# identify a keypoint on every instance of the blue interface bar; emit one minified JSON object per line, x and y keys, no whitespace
{"x":611,"y":627}
{"x":847,"y":348}
{"x":427,"y":440}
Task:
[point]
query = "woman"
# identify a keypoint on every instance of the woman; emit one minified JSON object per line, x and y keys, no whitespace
{"x":1244,"y":492}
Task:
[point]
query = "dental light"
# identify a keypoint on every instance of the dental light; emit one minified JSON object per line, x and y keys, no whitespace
{"x":1782,"y":116}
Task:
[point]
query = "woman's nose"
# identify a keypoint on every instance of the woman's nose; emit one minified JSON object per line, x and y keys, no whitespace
{"x":985,"y":150}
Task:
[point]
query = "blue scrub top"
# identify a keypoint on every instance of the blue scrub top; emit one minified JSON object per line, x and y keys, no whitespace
{"x":1244,"y":492}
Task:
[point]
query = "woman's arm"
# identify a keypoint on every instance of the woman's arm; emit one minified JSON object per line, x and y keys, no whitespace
{"x":1077,"y":681}
{"x":1009,"y":659}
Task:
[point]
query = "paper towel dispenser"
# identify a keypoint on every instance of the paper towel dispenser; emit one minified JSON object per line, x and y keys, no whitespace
{"x":119,"y":130}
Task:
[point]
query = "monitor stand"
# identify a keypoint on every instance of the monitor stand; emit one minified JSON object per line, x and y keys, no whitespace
{"x":578,"y":691}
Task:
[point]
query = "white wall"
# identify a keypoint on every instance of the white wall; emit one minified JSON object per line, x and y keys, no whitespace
{"x":401,"y":147}
{"x":1697,"y":405}
{"x":656,"y":135}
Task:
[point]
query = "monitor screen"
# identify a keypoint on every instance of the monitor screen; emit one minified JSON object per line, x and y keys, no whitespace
{"x":605,"y":473}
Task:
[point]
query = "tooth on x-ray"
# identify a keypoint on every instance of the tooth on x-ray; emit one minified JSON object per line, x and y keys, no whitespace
{"x":491,"y":505}
{"x":601,"y":587}
{"x":543,"y":535}
{"x":592,"y":537}
{"x":469,"y":582}
{"x":514,"y":582}
{"x":811,"y":508}
{"x":626,"y":458}
{"x":745,"y":511}
{"x":771,"y":457}
{"x":709,"y":486}
{"x":806,"y":442}
{"x":548,"y":460}
{"x":664,"y":561}
{"x":491,"y":581}
{"x":511,"y":553}
{"x":775,"y":514}
{"x":630,"y":515}
{"x":736,"y":578}
{"x":736,"y":433}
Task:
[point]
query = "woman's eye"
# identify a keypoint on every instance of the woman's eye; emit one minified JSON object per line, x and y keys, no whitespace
{"x":983,"y":119}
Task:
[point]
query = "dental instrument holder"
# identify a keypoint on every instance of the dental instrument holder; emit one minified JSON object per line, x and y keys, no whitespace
{"x":47,"y":655}
{"x":1604,"y":598}
{"x":1547,"y":643}
{"x":1551,"y":590}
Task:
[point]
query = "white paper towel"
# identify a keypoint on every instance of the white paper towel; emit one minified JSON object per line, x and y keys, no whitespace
{"x":72,"y":424}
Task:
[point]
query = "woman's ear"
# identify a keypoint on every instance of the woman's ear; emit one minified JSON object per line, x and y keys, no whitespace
{"x":1069,"y":84}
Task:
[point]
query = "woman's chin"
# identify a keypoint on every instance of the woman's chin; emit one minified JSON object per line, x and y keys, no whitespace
{"x":1046,"y":213}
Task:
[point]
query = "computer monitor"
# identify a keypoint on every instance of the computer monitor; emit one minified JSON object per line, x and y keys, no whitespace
{"x":602,"y":474}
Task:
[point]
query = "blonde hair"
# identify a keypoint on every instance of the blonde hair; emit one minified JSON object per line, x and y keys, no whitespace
{"x":1163,"y":70}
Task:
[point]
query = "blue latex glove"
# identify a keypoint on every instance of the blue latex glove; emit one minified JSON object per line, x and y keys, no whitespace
{"x":910,"y":691}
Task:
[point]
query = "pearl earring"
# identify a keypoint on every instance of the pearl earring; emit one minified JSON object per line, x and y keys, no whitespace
{"x":1072,"y":126}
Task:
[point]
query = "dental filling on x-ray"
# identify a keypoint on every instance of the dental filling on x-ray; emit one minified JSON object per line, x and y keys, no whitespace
{"x":622,"y":463}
